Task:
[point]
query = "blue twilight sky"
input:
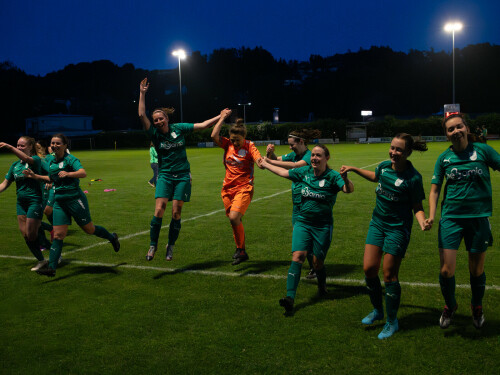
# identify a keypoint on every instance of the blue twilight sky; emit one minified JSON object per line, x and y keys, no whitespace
{"x":46,"y":35}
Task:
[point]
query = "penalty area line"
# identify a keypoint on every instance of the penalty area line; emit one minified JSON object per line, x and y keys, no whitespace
{"x":235,"y":274}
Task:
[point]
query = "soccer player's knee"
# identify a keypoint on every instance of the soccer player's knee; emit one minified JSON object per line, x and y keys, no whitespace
{"x":370,"y":270}
{"x":317,"y":263}
{"x":176,"y":215}
{"x":446,"y":272}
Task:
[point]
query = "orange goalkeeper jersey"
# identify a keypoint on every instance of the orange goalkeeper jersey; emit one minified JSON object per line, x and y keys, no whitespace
{"x":239,"y":164}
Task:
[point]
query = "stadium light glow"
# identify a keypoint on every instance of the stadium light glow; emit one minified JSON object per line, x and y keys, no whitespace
{"x":244,"y":111}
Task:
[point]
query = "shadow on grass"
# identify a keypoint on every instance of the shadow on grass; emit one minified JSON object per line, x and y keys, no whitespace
{"x":460,"y":326}
{"x":254,"y":268}
{"x":192,"y":267}
{"x":82,"y":270}
{"x":335,"y":292}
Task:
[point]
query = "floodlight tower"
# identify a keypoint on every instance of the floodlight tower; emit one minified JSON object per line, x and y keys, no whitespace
{"x":451,"y":27}
{"x":180,"y":54}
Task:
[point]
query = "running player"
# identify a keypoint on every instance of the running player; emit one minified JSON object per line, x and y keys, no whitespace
{"x":65,"y":172}
{"x":46,"y":189}
{"x":465,"y":209}
{"x":299,"y":157}
{"x":237,"y":188}
{"x":313,"y":228}
{"x":29,"y":194}
{"x":399,"y":194}
{"x":174,"y":178}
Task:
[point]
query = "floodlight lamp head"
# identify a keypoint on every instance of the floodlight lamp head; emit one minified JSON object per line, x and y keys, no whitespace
{"x":180,"y":54}
{"x":453,"y":26}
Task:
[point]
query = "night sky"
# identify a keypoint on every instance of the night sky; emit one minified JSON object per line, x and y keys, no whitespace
{"x":44,"y":36}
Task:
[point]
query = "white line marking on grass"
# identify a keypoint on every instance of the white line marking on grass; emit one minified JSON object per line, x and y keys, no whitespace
{"x":184,"y":220}
{"x":235,"y":274}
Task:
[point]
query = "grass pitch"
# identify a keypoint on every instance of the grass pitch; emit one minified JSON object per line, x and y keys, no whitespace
{"x":110,"y":313}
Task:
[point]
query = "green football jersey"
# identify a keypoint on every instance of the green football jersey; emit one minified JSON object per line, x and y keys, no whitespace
{"x":296,"y":186}
{"x":25,"y":187}
{"x":397,"y":193}
{"x":318,"y":194}
{"x":68,"y":187}
{"x":171,"y":148}
{"x":467,"y":192}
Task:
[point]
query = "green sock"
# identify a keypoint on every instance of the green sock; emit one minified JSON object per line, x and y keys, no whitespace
{"x":310,"y":259}
{"x":448,"y":290}
{"x":46,"y":226}
{"x":42,"y":240}
{"x":375,"y":292}
{"x":55,"y":253}
{"x":154,"y":231}
{"x":35,"y":249}
{"x":103,"y":233}
{"x":293,"y":279}
{"x":392,"y":299}
{"x":477,"y":286}
{"x":173,"y":231}
{"x":321,"y":275}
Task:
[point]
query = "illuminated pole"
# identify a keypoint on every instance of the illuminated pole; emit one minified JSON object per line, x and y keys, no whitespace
{"x":180,"y":54}
{"x":451,"y":28}
{"x":244,"y":111}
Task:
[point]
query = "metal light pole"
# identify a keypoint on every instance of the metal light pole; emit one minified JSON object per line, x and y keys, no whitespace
{"x":180,"y":54}
{"x":451,"y":28}
{"x":244,"y":111}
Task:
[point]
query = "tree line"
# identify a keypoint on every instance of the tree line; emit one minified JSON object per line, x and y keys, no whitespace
{"x":413,"y":84}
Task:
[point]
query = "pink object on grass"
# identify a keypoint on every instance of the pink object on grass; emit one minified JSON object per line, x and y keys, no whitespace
{"x":108,"y":190}
{"x":86,"y":191}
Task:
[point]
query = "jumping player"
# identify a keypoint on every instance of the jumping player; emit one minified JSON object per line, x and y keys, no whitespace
{"x":237,"y":188}
{"x":174,"y":178}
{"x":465,"y":209}
{"x":399,"y":194}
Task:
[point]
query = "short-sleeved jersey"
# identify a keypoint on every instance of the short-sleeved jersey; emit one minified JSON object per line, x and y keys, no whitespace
{"x":397,"y":193}
{"x":318,"y":194}
{"x":171,"y":148}
{"x":25,"y":187}
{"x":296,"y":186}
{"x":467,"y":192}
{"x":239,"y":164}
{"x":68,"y":187}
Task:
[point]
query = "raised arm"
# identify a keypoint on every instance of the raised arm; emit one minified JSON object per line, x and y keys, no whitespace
{"x":4,"y":185}
{"x":369,"y":175}
{"x":225,"y":113}
{"x":21,"y":155}
{"x":270,"y":152}
{"x":433,"y":200}
{"x":143,"y":88}
{"x":287,"y":164}
{"x":81,"y":173}
{"x":207,"y":123}
{"x":282,"y":172}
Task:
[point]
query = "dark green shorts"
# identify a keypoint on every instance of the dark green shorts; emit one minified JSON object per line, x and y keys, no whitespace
{"x":312,"y":239}
{"x":392,"y":240}
{"x":476,"y":233}
{"x":78,"y":208}
{"x":50,"y":198}
{"x":174,"y":187}
{"x":30,"y":207}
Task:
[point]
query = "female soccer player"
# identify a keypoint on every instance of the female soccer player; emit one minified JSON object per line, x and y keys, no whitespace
{"x":29,"y":194}
{"x":237,"y":188}
{"x":299,"y":157}
{"x":399,"y":194}
{"x":41,"y":152}
{"x":65,"y":172}
{"x":174,"y":179}
{"x":465,"y":209}
{"x":313,"y":228}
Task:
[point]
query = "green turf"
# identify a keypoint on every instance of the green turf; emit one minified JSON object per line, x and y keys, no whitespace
{"x":117,"y":313}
